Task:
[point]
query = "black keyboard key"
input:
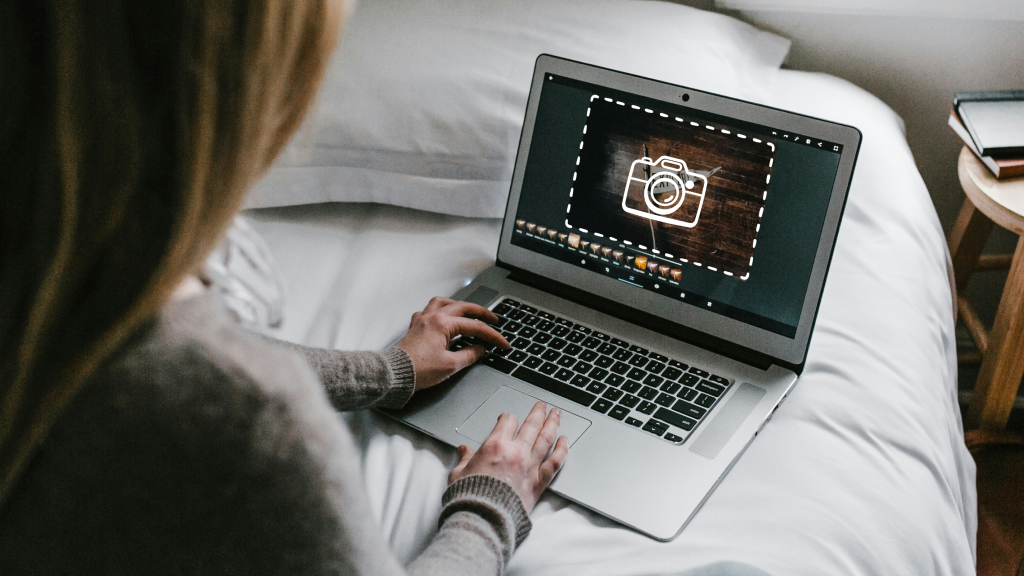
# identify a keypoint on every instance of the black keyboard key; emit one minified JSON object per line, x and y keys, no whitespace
{"x":579,"y":381}
{"x":560,"y":331}
{"x":639,"y":350}
{"x":542,"y":337}
{"x":671,"y":387}
{"x":554,"y":386}
{"x":598,"y":373}
{"x":699,"y":372}
{"x":502,"y":309}
{"x":528,"y":308}
{"x":638,"y":361}
{"x":666,"y":400}
{"x":636,"y":374}
{"x":618,"y":412}
{"x":511,"y":327}
{"x":710,"y":388}
{"x":499,"y":363}
{"x":533,"y":362}
{"x":548,"y":369}
{"x":564,"y":374}
{"x":457,"y":345}
{"x":677,"y":364}
{"x":518,"y":356}
{"x":655,"y":427}
{"x":582,"y":367}
{"x":658,"y":357}
{"x":601,"y":406}
{"x":718,"y":379}
{"x":530,"y":320}
{"x":606,"y":349}
{"x":520,"y":343}
{"x":648,"y":393}
{"x":675,"y":419}
{"x":672,"y":373}
{"x":510,"y":302}
{"x":651,"y":379}
{"x":557,"y":344}
{"x":500,"y":322}
{"x":600,"y":336}
{"x":634,"y":422}
{"x":612,"y":394}
{"x":582,"y":329}
{"x":502,"y":353}
{"x":597,"y":388}
{"x":545,"y":325}
{"x":591,"y":343}
{"x":551,"y":355}
{"x":564,"y":322}
{"x":620,"y":368}
{"x":614,"y":380}
{"x":576,"y":337}
{"x":603,"y":361}
{"x":672,"y":437}
{"x":527,"y":332}
{"x":566,"y":361}
{"x":691,"y":410}
{"x":646,"y":407}
{"x":573,"y":349}
{"x":690,"y":379}
{"x":516,"y":315}
{"x":655,"y":367}
{"x":546,"y":315}
{"x":688,"y":394}
{"x":536,"y":349}
{"x":629,"y":401}
{"x":632,"y":386}
{"x":619,"y":343}
{"x":589,"y":355}
{"x":705,"y":400}
{"x":622,"y":354}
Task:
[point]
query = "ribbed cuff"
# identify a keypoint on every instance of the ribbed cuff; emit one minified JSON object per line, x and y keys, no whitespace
{"x":401,"y":378}
{"x":488,"y":496}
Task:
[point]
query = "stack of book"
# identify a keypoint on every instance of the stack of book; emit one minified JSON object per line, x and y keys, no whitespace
{"x":991,"y":124}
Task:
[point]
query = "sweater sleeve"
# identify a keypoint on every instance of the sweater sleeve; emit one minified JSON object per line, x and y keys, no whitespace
{"x":358,"y":380}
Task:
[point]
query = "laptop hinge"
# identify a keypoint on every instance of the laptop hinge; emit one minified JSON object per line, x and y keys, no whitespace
{"x":643,"y":319}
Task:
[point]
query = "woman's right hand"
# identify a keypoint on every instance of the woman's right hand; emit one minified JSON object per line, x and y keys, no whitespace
{"x":520,"y":460}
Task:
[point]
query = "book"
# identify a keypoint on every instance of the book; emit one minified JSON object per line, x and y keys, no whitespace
{"x":1002,"y":167}
{"x":994,"y":120}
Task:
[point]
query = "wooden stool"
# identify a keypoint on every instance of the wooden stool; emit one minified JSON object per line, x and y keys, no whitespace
{"x":1002,"y":351}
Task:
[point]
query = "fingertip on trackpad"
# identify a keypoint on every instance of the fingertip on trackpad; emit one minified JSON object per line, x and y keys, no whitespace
{"x":508,"y":400}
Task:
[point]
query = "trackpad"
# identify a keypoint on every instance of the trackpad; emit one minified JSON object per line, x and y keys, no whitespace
{"x":479,"y":425}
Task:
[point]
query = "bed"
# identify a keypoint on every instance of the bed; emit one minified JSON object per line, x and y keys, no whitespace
{"x":862,"y":471}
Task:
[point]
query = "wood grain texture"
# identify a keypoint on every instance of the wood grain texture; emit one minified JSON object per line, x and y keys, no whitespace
{"x":1003,"y":362}
{"x":725,"y":232}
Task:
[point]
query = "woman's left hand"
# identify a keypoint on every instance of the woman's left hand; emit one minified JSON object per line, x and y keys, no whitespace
{"x":430,"y":331}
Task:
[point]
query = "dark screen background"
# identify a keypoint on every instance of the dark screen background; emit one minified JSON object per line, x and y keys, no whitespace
{"x":794,"y":213}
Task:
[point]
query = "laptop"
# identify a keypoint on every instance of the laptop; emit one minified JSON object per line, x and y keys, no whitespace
{"x":658,"y":275}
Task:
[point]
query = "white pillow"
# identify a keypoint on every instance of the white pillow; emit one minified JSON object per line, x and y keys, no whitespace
{"x":424,"y":100}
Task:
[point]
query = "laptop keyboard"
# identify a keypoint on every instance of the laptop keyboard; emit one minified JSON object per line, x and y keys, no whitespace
{"x":628,"y":383}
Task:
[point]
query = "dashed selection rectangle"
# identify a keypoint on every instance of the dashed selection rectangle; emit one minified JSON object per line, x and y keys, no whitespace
{"x":686,"y":190}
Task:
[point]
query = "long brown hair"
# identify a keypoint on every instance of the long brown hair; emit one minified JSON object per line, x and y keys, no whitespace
{"x":129,"y":131}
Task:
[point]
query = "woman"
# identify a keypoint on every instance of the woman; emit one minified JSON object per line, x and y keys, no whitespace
{"x":140,"y":432}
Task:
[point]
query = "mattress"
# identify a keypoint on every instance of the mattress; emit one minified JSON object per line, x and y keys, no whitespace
{"x":863,"y":470}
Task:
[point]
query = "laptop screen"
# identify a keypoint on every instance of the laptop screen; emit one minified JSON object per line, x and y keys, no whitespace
{"x":702,"y":209}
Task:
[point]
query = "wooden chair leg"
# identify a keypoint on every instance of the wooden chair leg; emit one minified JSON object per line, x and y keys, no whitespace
{"x":966,"y":241}
{"x":1003,"y":364}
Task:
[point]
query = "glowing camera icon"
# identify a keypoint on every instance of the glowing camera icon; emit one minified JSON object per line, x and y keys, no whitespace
{"x":666,"y":184}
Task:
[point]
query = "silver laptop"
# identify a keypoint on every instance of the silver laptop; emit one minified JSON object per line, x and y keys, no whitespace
{"x":658,"y":275}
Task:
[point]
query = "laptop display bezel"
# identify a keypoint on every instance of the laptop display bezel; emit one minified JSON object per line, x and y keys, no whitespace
{"x":789,"y":351}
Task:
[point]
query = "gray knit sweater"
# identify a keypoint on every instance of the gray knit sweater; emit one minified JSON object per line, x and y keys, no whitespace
{"x":201,"y":449}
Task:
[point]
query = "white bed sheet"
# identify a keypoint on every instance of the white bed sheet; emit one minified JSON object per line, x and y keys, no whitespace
{"x":862,"y":470}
